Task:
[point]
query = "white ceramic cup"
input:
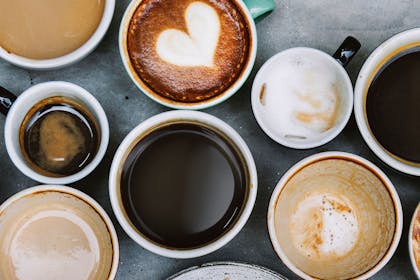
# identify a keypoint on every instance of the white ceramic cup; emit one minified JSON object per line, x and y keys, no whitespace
{"x":413,"y":242}
{"x":206,"y":103}
{"x":135,"y":136}
{"x":343,"y":84}
{"x":360,"y":161}
{"x":80,"y":195}
{"x":381,"y":55}
{"x":26,"y":101}
{"x":70,"y":58}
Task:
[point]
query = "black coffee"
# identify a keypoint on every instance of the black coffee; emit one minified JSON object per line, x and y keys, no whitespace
{"x":393,"y":105}
{"x":183,"y":185}
{"x":59,"y":137}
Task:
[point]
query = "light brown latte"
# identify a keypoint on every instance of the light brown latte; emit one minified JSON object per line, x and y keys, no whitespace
{"x":188,"y":50}
{"x":335,"y":219}
{"x":53,"y":235}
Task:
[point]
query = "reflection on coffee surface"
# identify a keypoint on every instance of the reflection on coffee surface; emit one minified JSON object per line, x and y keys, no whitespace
{"x":59,"y":137}
{"x":183,"y":185}
{"x":52,"y":235}
{"x":188,"y":51}
{"x":392,"y":105}
{"x":45,"y":29}
{"x":334,"y":219}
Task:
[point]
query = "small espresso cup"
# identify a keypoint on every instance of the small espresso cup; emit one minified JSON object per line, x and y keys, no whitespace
{"x":414,"y":241}
{"x":302,"y":97}
{"x":335,"y":215}
{"x":17,"y":111}
{"x":67,"y":59}
{"x":56,"y":232}
{"x":202,"y":198}
{"x":382,"y":57}
{"x":250,"y":9}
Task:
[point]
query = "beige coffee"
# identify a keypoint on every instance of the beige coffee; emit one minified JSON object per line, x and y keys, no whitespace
{"x":335,"y":219}
{"x":53,"y":235}
{"x":44,"y":29}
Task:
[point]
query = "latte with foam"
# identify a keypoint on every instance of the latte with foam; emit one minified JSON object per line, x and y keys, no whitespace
{"x":334,"y":219}
{"x":190,"y":50}
{"x":54,"y":235}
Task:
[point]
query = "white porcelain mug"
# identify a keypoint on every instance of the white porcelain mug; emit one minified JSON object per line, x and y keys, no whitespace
{"x":70,"y":58}
{"x":251,"y":9}
{"x":16,"y":109}
{"x":150,"y":125}
{"x":379,"y":57}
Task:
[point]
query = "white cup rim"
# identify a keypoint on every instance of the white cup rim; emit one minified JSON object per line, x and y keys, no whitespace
{"x":374,"y":59}
{"x":335,"y":131}
{"x":87,"y":199}
{"x":70,"y":58}
{"x":410,"y":242}
{"x":132,"y":138}
{"x":20,"y":162}
{"x":175,"y":104}
{"x":326,"y":155}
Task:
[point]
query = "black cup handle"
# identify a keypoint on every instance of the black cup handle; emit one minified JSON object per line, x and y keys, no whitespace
{"x":347,"y":50}
{"x":6,"y":100}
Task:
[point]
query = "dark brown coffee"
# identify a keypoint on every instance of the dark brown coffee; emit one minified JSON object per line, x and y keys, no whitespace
{"x":59,"y":137}
{"x":183,"y":185}
{"x":188,"y":50}
{"x":392,"y":105}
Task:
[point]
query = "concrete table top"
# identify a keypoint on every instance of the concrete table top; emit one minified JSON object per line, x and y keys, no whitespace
{"x":321,"y":24}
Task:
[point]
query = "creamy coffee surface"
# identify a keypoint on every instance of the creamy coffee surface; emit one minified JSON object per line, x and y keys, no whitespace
{"x":45,"y":29}
{"x":415,"y":235}
{"x":334,"y":219}
{"x":300,"y":95}
{"x":188,"y":50}
{"x":53,"y":235}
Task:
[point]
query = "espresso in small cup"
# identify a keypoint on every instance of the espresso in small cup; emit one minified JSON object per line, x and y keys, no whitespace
{"x":55,"y":232}
{"x":59,"y":136}
{"x":183,"y":185}
{"x":194,"y":52}
{"x":335,"y":216}
{"x":47,"y":29}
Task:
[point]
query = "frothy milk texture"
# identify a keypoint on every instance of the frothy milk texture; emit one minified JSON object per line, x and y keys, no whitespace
{"x":324,"y":225}
{"x":53,"y":236}
{"x":188,"y":50}
{"x":334,"y":219}
{"x":300,"y":96}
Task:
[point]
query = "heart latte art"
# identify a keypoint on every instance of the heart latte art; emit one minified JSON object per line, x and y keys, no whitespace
{"x":188,"y":51}
{"x":197,"y":47}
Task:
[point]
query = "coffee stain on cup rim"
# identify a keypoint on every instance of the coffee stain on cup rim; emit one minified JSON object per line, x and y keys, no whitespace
{"x":144,"y":87}
{"x":364,"y":165}
{"x":162,"y":125}
{"x":112,"y":234}
{"x":370,"y":79}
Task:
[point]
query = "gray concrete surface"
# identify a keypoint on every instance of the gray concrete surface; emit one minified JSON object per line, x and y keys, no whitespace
{"x":320,"y":24}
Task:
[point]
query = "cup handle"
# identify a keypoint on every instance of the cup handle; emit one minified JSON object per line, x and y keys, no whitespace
{"x":347,"y":50}
{"x":259,"y":7}
{"x":6,"y":100}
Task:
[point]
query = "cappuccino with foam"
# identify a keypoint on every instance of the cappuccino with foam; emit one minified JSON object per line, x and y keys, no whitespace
{"x":188,"y":51}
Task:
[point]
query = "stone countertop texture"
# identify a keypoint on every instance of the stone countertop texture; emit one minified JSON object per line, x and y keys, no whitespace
{"x":321,"y":24}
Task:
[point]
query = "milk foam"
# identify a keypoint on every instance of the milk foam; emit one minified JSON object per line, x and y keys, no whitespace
{"x":324,"y":225}
{"x":301,"y":96}
{"x":196,"y":48}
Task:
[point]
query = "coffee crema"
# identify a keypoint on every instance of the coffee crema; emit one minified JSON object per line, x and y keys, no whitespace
{"x":53,"y":235}
{"x":392,"y":106}
{"x":59,"y":137}
{"x":327,"y":219}
{"x":45,"y":29}
{"x":188,"y":50}
{"x":183,"y":185}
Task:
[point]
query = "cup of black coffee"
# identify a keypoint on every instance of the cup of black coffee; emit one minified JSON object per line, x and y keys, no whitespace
{"x":387,"y":101}
{"x":183,"y":184}
{"x":55,"y":132}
